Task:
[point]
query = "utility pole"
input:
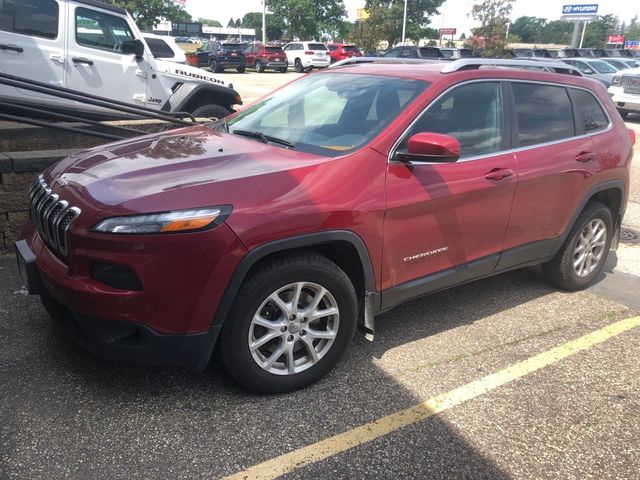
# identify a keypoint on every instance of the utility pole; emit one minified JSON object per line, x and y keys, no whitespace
{"x":574,"y":37}
{"x":404,"y":23}
{"x":264,"y":21}
{"x":584,"y":29}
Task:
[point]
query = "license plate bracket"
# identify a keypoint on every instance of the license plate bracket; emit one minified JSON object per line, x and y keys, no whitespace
{"x":27,"y":268}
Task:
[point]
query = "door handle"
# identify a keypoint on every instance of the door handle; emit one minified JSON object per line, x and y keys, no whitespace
{"x":82,"y":60}
{"x":57,"y":58}
{"x":498,"y":174}
{"x":585,"y":157}
{"x":12,"y":48}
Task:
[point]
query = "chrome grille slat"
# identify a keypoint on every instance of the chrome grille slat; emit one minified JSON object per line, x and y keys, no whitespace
{"x":631,"y":84}
{"x":52,"y":216}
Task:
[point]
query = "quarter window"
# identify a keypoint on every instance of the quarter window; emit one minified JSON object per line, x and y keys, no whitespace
{"x":472,"y":114}
{"x":102,"y":31}
{"x":590,"y":113}
{"x":543,"y":113}
{"x":37,"y":18}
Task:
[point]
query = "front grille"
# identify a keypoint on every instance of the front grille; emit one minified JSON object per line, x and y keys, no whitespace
{"x":631,"y":84}
{"x":52,"y":216}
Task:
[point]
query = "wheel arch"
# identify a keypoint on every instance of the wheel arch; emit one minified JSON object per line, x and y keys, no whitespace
{"x":191,"y":96}
{"x":611,"y":194}
{"x":342,"y":247}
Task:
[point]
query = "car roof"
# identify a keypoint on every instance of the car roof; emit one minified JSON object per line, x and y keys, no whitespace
{"x":103,"y":5}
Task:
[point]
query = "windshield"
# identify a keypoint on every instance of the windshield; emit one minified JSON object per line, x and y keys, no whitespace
{"x":329,"y":114}
{"x":602,"y":67}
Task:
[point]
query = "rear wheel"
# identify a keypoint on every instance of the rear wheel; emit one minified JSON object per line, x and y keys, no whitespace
{"x":585,"y":250}
{"x":624,"y":115}
{"x":211,"y":111}
{"x":215,"y":67}
{"x":290,"y":323}
{"x":241,"y":69}
{"x":298,"y":66}
{"x":259,"y":66}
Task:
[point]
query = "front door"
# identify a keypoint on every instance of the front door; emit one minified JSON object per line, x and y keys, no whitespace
{"x":445,"y":215}
{"x":95,"y":60}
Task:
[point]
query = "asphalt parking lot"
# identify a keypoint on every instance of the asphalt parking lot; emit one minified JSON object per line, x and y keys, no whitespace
{"x":501,"y":378}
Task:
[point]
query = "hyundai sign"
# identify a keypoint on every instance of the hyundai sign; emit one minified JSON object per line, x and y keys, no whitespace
{"x":580,"y":9}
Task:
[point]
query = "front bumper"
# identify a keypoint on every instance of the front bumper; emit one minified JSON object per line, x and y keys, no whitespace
{"x":624,"y":101}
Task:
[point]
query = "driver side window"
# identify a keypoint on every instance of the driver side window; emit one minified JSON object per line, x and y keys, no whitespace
{"x":472,"y":114}
{"x":101,"y":31}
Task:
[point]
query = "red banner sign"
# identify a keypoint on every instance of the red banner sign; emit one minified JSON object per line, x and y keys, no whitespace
{"x":448,"y":31}
{"x":615,"y":39}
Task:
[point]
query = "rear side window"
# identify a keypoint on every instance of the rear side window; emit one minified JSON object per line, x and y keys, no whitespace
{"x":159,"y":48}
{"x":471,"y":113}
{"x":102,"y":31}
{"x":590,"y":113}
{"x":543,"y":112}
{"x":37,"y":18}
{"x":350,"y":48}
{"x":317,"y":46}
{"x":273,"y":49}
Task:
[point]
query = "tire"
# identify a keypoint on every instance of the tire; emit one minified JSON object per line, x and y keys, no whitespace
{"x":212,"y":111}
{"x":259,"y":66}
{"x":215,"y":68}
{"x":562,"y":271}
{"x":305,"y":272}
{"x":297,"y":65}
{"x":241,"y":69}
{"x":624,"y":114}
{"x":283,"y":70}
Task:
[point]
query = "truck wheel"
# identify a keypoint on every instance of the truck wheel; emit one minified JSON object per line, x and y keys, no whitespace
{"x":215,"y":67}
{"x":291,"y":322}
{"x":212,"y":111}
{"x":585,"y":250}
{"x":298,"y":66}
{"x":241,"y":69}
{"x":259,"y":66}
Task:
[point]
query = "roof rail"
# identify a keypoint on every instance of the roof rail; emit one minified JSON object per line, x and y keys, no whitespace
{"x":389,"y":60}
{"x":476,"y":63}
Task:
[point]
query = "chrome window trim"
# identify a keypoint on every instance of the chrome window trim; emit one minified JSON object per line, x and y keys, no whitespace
{"x":399,"y":140}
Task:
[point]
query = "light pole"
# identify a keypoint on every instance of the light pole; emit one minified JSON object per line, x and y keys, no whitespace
{"x":404,"y":23}
{"x":264,"y":22}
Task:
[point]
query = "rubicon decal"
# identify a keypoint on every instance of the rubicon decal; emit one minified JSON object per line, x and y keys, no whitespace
{"x":198,"y":76}
{"x":425,"y":254}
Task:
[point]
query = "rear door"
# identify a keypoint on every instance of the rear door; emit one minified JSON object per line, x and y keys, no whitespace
{"x":445,"y":215}
{"x":32,"y":36}
{"x":556,"y":162}
{"x":95,"y":58}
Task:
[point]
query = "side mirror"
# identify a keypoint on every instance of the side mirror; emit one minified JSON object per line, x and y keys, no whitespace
{"x":431,"y":147}
{"x":133,"y":47}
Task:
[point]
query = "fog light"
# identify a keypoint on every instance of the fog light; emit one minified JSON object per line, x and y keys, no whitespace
{"x":116,"y":276}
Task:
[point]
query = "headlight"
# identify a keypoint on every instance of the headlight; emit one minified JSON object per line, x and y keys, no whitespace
{"x":617,"y":81}
{"x":169,"y":222}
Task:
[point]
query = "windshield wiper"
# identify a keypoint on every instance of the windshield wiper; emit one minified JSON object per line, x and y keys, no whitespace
{"x":264,"y":138}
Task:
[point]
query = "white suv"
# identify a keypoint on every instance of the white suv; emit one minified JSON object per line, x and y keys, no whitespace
{"x":625,"y":91}
{"x":96,"y":48}
{"x":303,"y":56}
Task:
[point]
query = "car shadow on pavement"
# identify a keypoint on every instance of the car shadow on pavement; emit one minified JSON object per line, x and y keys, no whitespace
{"x":69,"y":413}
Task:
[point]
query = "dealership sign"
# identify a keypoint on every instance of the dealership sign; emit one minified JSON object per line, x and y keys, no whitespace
{"x":580,"y":9}
{"x":448,"y":31}
{"x":615,"y":40}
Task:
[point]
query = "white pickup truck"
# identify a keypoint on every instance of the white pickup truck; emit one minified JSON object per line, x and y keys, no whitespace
{"x":96,"y":48}
{"x":625,"y":91}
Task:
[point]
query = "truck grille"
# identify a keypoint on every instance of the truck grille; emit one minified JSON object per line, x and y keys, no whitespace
{"x":631,"y":84}
{"x":52,"y":217}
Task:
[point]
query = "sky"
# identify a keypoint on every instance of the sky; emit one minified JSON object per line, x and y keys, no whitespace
{"x":455,"y":12}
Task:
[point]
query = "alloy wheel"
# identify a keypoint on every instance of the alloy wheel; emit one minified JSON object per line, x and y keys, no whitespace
{"x":589,"y":250}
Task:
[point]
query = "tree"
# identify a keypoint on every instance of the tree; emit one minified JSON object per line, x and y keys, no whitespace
{"x":306,"y":19}
{"x":231,"y":23}
{"x":493,"y":16}
{"x":389,"y":15}
{"x":595,"y":35}
{"x":253,"y":20}
{"x":633,"y":32}
{"x":209,"y":22}
{"x":147,"y":13}
{"x":529,"y":29}
{"x":463,"y":36}
{"x":558,"y":32}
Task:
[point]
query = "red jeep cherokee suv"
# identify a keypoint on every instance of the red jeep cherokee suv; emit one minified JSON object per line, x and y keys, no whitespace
{"x":262,"y":57}
{"x":273,"y":233}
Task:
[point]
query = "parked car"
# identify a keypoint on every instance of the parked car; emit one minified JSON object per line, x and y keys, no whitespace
{"x":182,"y":40}
{"x":329,"y":201}
{"x":408,"y":51}
{"x":101,"y":52}
{"x":621,"y":63}
{"x":220,"y":56}
{"x":165,"y":48}
{"x":340,"y":51}
{"x":625,"y":91}
{"x":593,"y":67}
{"x":303,"y":56}
{"x":455,"y":53}
{"x":266,"y":57}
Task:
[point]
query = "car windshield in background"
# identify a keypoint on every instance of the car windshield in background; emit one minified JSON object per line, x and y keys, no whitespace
{"x":602,"y":67}
{"x":317,"y":46}
{"x":329,"y":114}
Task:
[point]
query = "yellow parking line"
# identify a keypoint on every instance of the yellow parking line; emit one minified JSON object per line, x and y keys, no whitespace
{"x":370,"y":431}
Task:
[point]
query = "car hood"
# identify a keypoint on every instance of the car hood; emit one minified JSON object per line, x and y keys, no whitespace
{"x":196,"y":166}
{"x":187,"y":72}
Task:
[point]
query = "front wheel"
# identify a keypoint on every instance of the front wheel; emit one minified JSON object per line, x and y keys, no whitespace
{"x":290,"y":323}
{"x":214,"y":112}
{"x":298,"y":66}
{"x":259,"y":66}
{"x":283,"y":70}
{"x":585,"y":250}
{"x":215,"y":67}
{"x":240,"y":69}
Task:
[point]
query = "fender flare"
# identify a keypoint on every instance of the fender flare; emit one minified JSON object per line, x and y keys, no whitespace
{"x":300,"y":241}
{"x":186,"y":92}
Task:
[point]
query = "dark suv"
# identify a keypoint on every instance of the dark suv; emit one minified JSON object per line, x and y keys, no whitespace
{"x":220,"y":56}
{"x":274,"y":233}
